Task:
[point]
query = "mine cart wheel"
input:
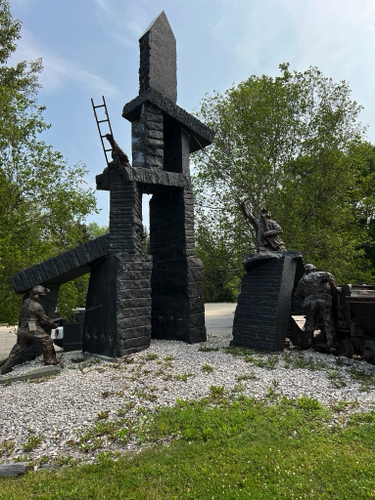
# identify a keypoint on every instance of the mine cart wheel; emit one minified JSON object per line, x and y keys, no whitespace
{"x":369,"y":355}
{"x":345,"y":348}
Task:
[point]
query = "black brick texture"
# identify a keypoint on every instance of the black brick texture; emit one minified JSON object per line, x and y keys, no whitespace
{"x":262,"y":314}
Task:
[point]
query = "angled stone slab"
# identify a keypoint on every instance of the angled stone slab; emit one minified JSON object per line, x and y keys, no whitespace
{"x":200,"y":135}
{"x":62,"y":268}
{"x":151,"y":180}
{"x":32,"y":374}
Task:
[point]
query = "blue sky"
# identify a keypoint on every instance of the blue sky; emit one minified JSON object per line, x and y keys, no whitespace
{"x":90,"y":48}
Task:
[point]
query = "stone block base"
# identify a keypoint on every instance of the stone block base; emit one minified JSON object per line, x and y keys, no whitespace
{"x":118,"y":306}
{"x":262,"y":314}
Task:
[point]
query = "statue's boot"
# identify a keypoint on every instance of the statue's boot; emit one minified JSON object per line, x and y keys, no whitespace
{"x":7,"y":366}
{"x":14,"y":353}
{"x":49,"y":356}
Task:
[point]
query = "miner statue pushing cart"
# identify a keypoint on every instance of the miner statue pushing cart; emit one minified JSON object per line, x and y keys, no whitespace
{"x":315,"y":290}
{"x":34,"y":326}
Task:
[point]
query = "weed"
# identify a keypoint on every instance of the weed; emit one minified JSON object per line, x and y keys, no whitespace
{"x":128,"y":360}
{"x":268,"y":363}
{"x":6,"y":448}
{"x":141,"y":410}
{"x":362,"y":376}
{"x":204,"y":348}
{"x":207,"y":368}
{"x":142,"y":394}
{"x":216,"y":391}
{"x":167,"y":376}
{"x":309,"y":403}
{"x":169,"y":358}
{"x":32,"y":442}
{"x":103,"y":415}
{"x":336,"y":378}
{"x":271,"y":393}
{"x":151,"y":356}
{"x":246,"y":376}
{"x":128,"y":406}
{"x":238,"y":387}
{"x":183,"y":376}
{"x":340,"y":406}
{"x":237,"y":351}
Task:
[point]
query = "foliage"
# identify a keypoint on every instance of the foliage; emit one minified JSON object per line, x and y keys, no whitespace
{"x":225,"y":449}
{"x":292,"y":144}
{"x":43,"y":200}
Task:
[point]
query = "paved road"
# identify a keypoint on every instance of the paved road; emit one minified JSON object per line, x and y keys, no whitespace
{"x":219,"y":322}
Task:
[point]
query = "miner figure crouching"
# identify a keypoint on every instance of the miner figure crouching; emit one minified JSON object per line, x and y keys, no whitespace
{"x":314,"y":289}
{"x":33,"y":326}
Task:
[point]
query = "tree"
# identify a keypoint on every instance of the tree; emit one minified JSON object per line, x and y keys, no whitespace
{"x":292,"y":144}
{"x":43,"y":199}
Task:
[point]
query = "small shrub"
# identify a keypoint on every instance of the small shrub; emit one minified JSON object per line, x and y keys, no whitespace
{"x":207,"y":368}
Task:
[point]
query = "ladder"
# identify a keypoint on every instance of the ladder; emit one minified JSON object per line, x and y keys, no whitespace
{"x":101,"y":121}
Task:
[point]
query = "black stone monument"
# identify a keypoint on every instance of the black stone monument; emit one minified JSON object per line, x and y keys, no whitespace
{"x":133,"y":297}
{"x":262,"y":315}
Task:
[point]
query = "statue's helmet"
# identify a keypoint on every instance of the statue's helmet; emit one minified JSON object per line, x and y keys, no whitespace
{"x":38,"y":290}
{"x":265,"y":213}
{"x":310,"y":268}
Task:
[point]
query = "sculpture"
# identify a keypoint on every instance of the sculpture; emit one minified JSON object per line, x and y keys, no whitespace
{"x":266,"y":231}
{"x":119,"y":156}
{"x":33,"y":326}
{"x":314,"y":289}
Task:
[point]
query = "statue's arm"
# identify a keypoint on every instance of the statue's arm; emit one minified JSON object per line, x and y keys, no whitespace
{"x":247,"y":213}
{"x":275,"y":231}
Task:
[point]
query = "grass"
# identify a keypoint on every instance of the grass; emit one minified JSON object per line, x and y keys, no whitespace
{"x":226,"y":449}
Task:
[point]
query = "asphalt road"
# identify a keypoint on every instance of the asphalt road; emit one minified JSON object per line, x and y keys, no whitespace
{"x":219,"y":322}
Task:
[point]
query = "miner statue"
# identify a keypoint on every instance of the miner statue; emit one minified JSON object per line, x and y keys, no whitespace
{"x":315,"y":290}
{"x":266,"y":231}
{"x":33,"y":326}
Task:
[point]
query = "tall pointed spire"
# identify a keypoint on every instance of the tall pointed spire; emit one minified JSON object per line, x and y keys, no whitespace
{"x":158,"y":67}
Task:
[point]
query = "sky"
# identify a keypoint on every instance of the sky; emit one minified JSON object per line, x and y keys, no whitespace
{"x":90,"y":49}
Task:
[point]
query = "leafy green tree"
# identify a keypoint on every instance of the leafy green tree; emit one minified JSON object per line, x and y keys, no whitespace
{"x":43,"y":199}
{"x":294,"y":145}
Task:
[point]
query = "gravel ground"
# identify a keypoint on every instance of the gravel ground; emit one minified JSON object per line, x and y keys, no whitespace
{"x":51,"y":414}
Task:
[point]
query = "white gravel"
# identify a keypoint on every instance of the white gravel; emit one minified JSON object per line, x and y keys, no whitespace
{"x":59,"y":409}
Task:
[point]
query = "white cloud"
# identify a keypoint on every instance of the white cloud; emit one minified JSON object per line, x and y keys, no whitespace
{"x":57,"y":71}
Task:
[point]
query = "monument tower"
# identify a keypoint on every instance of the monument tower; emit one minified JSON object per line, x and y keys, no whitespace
{"x":161,"y":295}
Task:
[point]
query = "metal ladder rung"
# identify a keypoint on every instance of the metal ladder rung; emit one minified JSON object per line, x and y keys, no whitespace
{"x":98,"y":122}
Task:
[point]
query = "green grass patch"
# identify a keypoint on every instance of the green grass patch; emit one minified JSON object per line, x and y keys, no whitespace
{"x":224,"y":449}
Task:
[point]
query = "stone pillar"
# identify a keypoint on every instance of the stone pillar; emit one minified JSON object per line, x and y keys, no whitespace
{"x":125,"y":215}
{"x":118,"y":306}
{"x":177,"y":276}
{"x":263,"y":308}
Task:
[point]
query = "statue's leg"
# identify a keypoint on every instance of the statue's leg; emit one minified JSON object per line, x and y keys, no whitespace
{"x":328,"y":326}
{"x":16,"y":351}
{"x":49,"y":353}
{"x":310,"y":321}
